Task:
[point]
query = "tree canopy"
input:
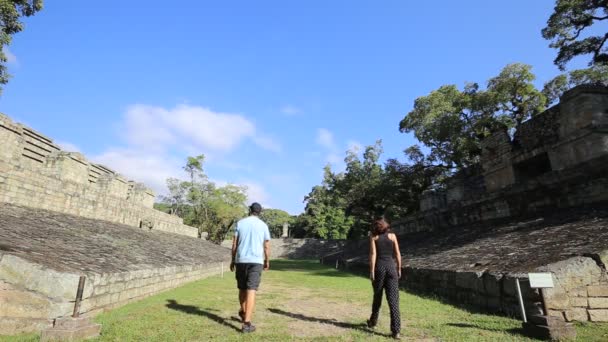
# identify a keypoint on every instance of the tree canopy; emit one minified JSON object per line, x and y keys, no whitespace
{"x":275,"y":218}
{"x":452,"y":122}
{"x":567,"y":28}
{"x":11,"y":12}
{"x":201,"y":203}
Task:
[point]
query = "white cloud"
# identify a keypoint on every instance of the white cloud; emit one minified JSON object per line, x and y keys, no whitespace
{"x":257,"y":193}
{"x":158,"y":139}
{"x":267,"y":143}
{"x":68,"y":147}
{"x":326,"y":139}
{"x":290,"y":110}
{"x":10,"y":57}
{"x":141,"y":166}
{"x":186,"y":125}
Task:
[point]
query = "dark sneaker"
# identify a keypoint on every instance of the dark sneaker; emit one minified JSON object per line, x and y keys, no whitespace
{"x":248,"y":328}
{"x":396,"y":336}
{"x":371,"y":324}
{"x":242,"y":315}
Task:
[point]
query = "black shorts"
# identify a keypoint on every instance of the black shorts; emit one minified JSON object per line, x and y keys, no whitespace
{"x":248,"y":276}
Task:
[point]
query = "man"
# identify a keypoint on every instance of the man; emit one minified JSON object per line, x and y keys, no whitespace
{"x":250,"y":255}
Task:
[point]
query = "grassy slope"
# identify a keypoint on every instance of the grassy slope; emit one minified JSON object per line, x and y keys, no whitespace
{"x":300,"y":301}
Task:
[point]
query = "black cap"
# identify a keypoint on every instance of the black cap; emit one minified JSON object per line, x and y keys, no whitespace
{"x":255,"y":207}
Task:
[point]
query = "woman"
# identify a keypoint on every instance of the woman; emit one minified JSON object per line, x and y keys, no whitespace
{"x":385,"y":272}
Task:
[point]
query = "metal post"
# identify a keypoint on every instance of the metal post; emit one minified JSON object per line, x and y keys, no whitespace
{"x":76,"y":312}
{"x":544,"y":302}
{"x":521,"y":300}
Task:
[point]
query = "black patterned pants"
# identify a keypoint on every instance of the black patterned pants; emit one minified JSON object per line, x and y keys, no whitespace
{"x":387,"y":278}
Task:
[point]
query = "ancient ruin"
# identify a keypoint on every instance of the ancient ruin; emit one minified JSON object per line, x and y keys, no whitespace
{"x":537,"y":202}
{"x":62,"y":217}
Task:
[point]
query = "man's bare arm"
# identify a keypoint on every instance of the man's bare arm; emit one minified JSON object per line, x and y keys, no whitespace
{"x":266,"y":254}
{"x":235,"y":244}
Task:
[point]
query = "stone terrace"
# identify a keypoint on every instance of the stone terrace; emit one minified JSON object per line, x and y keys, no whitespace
{"x":517,"y":247}
{"x":68,"y":243}
{"x":43,"y":254}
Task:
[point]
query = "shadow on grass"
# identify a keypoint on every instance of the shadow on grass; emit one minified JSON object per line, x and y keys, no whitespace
{"x":513,"y":331}
{"x":296,"y":265}
{"x":310,"y":266}
{"x":193,"y":310}
{"x":361,"y":326}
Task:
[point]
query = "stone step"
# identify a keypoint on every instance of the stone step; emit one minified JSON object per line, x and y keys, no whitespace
{"x":555,"y":333}
{"x":76,"y":334}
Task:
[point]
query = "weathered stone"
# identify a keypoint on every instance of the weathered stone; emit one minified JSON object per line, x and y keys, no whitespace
{"x":557,"y":314}
{"x":597,"y":290}
{"x":598,"y":315}
{"x":574,"y":272}
{"x":577,"y":314}
{"x":580,"y":302}
{"x":557,"y":333}
{"x":75,"y":331}
{"x":598,"y":303}
{"x":578,"y":292}
{"x":37,"y":278}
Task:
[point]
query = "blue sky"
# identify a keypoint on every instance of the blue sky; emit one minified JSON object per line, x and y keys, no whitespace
{"x":269,"y":91}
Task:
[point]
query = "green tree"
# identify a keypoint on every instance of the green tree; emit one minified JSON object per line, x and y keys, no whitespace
{"x":275,"y":218}
{"x":566,"y":26}
{"x":202,"y":204}
{"x":452,"y":122}
{"x":555,"y":88}
{"x":11,"y":12}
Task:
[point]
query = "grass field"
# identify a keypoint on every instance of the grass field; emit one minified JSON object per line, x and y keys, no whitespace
{"x":303,"y":301}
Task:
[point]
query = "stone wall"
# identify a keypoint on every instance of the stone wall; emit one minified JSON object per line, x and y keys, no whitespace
{"x":581,"y":289}
{"x":35,"y":172}
{"x":289,"y":248}
{"x":43,"y":254}
{"x":33,"y":297}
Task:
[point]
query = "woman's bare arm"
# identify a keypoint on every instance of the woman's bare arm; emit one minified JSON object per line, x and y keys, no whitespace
{"x":397,"y":252}
{"x":372,"y":257}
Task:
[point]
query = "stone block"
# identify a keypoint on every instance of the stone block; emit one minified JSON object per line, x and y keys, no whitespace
{"x":598,"y":315}
{"x":556,"y":333}
{"x":598,"y":303}
{"x":83,"y":330}
{"x":578,"y":292}
{"x":37,"y":278}
{"x":557,"y":314}
{"x":579,"y":302}
{"x":597,"y":290}
{"x":574,"y":272}
{"x":577,"y":314}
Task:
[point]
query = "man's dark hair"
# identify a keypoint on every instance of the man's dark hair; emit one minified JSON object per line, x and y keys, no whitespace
{"x":255,"y":208}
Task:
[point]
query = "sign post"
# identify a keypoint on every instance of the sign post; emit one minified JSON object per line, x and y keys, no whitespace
{"x":538,"y":281}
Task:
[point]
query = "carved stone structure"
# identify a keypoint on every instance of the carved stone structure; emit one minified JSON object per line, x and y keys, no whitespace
{"x":558,"y":159}
{"x":35,"y":172}
{"x":538,"y":202}
{"x":62,"y":217}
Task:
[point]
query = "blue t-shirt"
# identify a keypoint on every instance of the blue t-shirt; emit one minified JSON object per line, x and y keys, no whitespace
{"x":251,"y":233}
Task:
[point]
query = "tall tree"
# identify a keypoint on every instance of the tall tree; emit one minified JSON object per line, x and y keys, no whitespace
{"x":201,"y":203}
{"x":11,"y":12}
{"x":566,"y":26}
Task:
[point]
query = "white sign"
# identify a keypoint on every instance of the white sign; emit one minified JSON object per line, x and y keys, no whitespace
{"x":540,"y":280}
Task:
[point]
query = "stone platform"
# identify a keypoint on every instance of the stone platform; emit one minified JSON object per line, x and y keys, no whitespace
{"x":43,"y":253}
